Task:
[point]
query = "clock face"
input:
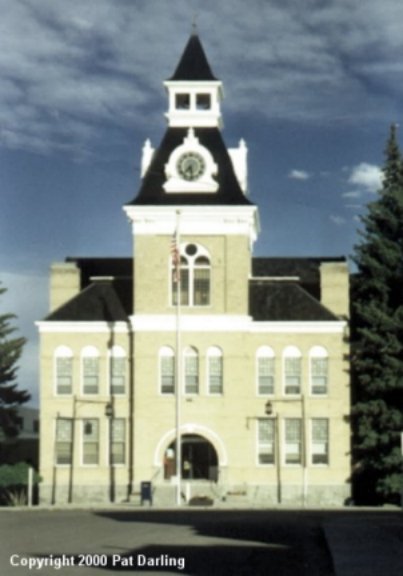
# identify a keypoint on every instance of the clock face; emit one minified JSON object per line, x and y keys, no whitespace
{"x":190,"y":166}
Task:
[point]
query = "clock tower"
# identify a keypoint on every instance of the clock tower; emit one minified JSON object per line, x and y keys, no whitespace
{"x":193,"y":174}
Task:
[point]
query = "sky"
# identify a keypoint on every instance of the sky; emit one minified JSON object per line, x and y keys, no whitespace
{"x":311,"y":86}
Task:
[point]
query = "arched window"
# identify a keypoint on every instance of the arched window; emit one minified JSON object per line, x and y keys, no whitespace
{"x":195,"y":271}
{"x":292,"y":370}
{"x":167,"y":370}
{"x":90,"y":370}
{"x":64,"y":370}
{"x":265,"y":370}
{"x":215,"y":370}
{"x":117,"y":363}
{"x":191,"y":369}
{"x":318,"y":369}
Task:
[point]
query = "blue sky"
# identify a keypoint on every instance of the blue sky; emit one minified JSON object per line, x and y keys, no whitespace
{"x":311,"y":86}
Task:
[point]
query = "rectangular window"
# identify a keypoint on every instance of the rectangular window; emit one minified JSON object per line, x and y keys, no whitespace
{"x":293,"y":441}
{"x":320,"y":441}
{"x":201,"y":295}
{"x":91,"y":375}
{"x":118,"y":441}
{"x":265,"y":375}
{"x":182,"y":101}
{"x":266,"y":441}
{"x":90,"y":441}
{"x":319,"y":375}
{"x":64,"y":441}
{"x":191,"y":375}
{"x":64,"y":375}
{"x":167,"y":374}
{"x":215,"y":374}
{"x":118,"y":375}
{"x":203,"y":101}
{"x":292,"y":369}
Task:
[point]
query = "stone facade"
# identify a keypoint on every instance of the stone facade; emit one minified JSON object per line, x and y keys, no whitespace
{"x":263,"y":403}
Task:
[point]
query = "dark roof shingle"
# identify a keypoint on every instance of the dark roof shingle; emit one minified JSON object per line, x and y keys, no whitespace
{"x":285,"y":302}
{"x":97,"y":302}
{"x":229,"y":191}
{"x":193,"y":64}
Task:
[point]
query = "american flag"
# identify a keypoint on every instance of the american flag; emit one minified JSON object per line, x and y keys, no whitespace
{"x":175,"y":257}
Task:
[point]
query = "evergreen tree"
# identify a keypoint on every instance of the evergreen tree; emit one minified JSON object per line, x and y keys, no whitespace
{"x":10,"y":396}
{"x":377,"y":339}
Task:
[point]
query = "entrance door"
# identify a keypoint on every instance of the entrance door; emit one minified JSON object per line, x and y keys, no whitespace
{"x":199,"y":459}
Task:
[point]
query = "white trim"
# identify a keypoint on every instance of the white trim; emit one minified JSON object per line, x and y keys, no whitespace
{"x":214,"y":352}
{"x":194,"y":116}
{"x":264,"y":352}
{"x":191,"y":428}
{"x":98,"y":327}
{"x":318,"y":352}
{"x":116,"y":352}
{"x":201,"y":220}
{"x":310,"y":452}
{"x":258,"y":444}
{"x":230,"y":323}
{"x":108,"y":445}
{"x":192,"y":323}
{"x":82,"y":464}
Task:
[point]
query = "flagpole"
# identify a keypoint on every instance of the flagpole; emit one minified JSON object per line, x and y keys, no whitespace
{"x":178,"y":368}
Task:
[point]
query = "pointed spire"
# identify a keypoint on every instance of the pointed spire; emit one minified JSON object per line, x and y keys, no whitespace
{"x":193,"y":64}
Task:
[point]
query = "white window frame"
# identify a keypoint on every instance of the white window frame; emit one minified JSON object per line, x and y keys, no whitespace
{"x":90,"y":352}
{"x":261,"y":446}
{"x":318,"y":353}
{"x":292,"y":353}
{"x":325,"y":443}
{"x":63,"y":353}
{"x":117,"y":353}
{"x":164,"y":353}
{"x":84,"y":423}
{"x":299,"y":442}
{"x":191,"y":353}
{"x":188,"y":264}
{"x":57,"y":441}
{"x":111,"y":441}
{"x":265,"y":353}
{"x":214,"y":352}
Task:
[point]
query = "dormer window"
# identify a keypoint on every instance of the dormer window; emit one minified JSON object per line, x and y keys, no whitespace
{"x":182,"y":101}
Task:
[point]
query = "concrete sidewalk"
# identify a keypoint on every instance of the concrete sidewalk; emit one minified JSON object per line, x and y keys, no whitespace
{"x":362,"y":546}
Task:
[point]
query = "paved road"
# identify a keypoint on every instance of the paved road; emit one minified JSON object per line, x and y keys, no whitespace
{"x":212,"y":542}
{"x":200,"y":542}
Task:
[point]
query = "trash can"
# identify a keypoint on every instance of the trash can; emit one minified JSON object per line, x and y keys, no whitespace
{"x":146,"y":493}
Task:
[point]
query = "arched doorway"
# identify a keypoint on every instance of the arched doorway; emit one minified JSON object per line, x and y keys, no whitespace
{"x":199,"y":459}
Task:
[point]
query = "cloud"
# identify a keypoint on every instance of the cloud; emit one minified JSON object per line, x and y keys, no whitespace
{"x":352,"y":194}
{"x":367,"y":177}
{"x":338,"y":220}
{"x":298,"y":175}
{"x":99,"y":64}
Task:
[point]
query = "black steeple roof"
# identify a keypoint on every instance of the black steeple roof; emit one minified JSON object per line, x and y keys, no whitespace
{"x":193,"y":64}
{"x":229,"y":191}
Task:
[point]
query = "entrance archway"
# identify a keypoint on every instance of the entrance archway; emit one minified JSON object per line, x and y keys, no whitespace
{"x":199,"y":459}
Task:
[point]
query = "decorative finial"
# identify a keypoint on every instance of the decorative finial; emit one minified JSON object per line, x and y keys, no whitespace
{"x":194,"y":24}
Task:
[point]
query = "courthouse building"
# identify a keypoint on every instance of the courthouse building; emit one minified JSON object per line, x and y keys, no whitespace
{"x":260,"y":390}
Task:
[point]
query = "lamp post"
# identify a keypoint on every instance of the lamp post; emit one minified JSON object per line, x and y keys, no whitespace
{"x":268,"y":408}
{"x":109,"y":412}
